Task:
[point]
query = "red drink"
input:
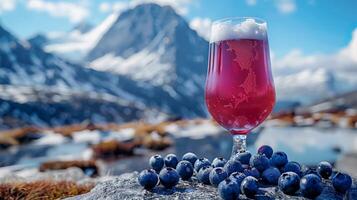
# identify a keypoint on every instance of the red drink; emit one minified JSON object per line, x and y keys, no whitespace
{"x":240,"y":91}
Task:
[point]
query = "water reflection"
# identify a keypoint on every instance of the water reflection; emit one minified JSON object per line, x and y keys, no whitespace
{"x":309,"y":145}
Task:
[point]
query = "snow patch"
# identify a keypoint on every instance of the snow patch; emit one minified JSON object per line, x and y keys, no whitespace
{"x":194,"y":131}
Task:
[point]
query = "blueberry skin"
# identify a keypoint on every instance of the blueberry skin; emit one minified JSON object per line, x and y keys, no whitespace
{"x":289,"y":182}
{"x":190,"y":157}
{"x":171,"y":160}
{"x":238,"y":177}
{"x":324,"y":169}
{"x":228,"y":189}
{"x":278,"y":159}
{"x":217,"y":175}
{"x":243,"y":157}
{"x":185,"y":169}
{"x":219,"y":162}
{"x":311,"y":186}
{"x":252,"y":172}
{"x":148,"y":179}
{"x":292,"y":167}
{"x":249,"y":187}
{"x":203,"y":174}
{"x":156,"y":162}
{"x":260,"y":162}
{"x":233,"y":166}
{"x":266,"y":150}
{"x":341,"y":182}
{"x":169,"y":177}
{"x":271,"y":175}
{"x":201,"y":163}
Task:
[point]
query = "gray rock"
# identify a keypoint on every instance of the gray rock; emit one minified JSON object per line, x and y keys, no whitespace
{"x":127,"y":187}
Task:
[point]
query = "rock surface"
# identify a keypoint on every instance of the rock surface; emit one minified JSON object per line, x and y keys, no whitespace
{"x":127,"y":187}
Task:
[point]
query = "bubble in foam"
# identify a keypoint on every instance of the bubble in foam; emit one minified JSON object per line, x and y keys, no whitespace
{"x":248,"y":29}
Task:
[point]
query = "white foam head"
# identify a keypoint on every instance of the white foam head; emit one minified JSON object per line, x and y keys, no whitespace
{"x":249,"y":28}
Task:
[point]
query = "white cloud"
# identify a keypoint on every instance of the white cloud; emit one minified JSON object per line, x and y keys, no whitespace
{"x":181,"y":6}
{"x":251,"y":2}
{"x":7,"y":5}
{"x":283,"y":6}
{"x":286,"y":6}
{"x":299,"y":76}
{"x":202,"y":26}
{"x":116,"y":6}
{"x":75,"y":12}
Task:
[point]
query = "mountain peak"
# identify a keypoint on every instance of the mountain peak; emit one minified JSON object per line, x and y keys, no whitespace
{"x":135,"y":29}
{"x":38,"y":40}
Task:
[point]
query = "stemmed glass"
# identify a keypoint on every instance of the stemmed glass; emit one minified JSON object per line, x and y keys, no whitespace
{"x":240,"y":91}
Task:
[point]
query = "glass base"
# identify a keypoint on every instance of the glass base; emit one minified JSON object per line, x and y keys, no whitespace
{"x":239,"y":144}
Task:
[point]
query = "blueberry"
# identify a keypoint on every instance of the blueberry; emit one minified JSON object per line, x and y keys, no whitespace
{"x":292,"y":167}
{"x":228,"y":189}
{"x":278,"y":159}
{"x":219,"y":162}
{"x":148,"y":179}
{"x":185,"y":169}
{"x":201,"y":163}
{"x":342,"y":182}
{"x":260,"y":162}
{"x":156,"y":162}
{"x":233,"y":166}
{"x":243,"y":157}
{"x":203,"y":174}
{"x":324,"y":169}
{"x":217,"y":175}
{"x":190,"y":157}
{"x":271,"y":175}
{"x":171,"y":160}
{"x":289,"y":182}
{"x":169,"y":177}
{"x":249,"y":187}
{"x":266,"y":150}
{"x":252,"y":172}
{"x":238,"y":177}
{"x":311,"y":186}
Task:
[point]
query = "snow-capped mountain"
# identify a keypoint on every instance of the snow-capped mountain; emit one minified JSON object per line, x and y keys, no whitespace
{"x":43,"y":89}
{"x":75,"y":44}
{"x":153,"y":44}
{"x":26,"y":64}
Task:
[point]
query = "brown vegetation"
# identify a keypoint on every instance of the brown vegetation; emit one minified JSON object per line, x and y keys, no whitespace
{"x":113,"y":149}
{"x":152,"y":136}
{"x":42,"y":190}
{"x":18,"y":136}
{"x":334,"y":118}
{"x":88,"y":167}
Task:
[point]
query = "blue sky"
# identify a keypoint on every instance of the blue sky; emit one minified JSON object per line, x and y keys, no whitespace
{"x":313,"y":26}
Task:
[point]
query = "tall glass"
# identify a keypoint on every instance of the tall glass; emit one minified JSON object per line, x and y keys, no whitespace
{"x":240,"y":90}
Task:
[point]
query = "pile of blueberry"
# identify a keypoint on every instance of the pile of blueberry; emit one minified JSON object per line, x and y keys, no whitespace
{"x":244,"y":174}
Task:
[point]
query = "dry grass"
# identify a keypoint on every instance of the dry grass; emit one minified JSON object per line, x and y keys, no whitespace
{"x":19,"y":136}
{"x":113,"y":149}
{"x":143,"y":132}
{"x":42,"y":190}
{"x":89,"y":167}
{"x":68,"y":130}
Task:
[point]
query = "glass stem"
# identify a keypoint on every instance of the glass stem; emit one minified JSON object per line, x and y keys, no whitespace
{"x":239,"y":144}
